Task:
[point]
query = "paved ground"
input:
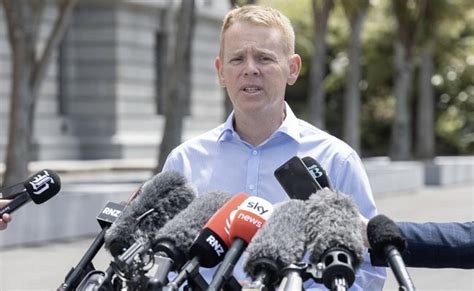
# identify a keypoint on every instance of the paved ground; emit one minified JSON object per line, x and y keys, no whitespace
{"x":43,"y":267}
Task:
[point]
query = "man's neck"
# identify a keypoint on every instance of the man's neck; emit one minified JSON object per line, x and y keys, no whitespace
{"x":257,"y":128}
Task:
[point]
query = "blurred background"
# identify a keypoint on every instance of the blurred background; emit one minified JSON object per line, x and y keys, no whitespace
{"x":101,"y":91}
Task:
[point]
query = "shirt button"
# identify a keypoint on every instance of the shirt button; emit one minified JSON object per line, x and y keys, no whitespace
{"x":251,"y":187}
{"x":254,"y":153}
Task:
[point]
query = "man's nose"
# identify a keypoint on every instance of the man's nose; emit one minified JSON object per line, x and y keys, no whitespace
{"x":251,"y":68}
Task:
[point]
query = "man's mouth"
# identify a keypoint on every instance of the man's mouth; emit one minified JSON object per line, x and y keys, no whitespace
{"x":251,"y":89}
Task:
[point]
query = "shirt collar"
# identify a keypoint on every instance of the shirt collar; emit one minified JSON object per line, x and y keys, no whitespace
{"x":227,"y":129}
{"x":288,"y":127}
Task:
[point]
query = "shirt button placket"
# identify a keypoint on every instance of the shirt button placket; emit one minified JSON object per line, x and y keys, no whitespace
{"x":252,"y":170}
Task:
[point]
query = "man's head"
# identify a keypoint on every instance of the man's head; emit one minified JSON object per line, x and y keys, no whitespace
{"x":262,"y":16}
{"x":257,"y":60}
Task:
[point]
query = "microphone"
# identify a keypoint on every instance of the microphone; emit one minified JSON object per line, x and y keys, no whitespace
{"x":173,"y":241}
{"x":387,"y":242}
{"x":317,"y":172}
{"x":279,"y":243}
{"x":245,"y":222}
{"x":333,"y":235}
{"x":300,"y":178}
{"x":106,"y":217}
{"x":13,"y":191}
{"x":210,"y":246}
{"x":158,"y":200}
{"x":166,"y":194}
{"x":40,"y":187}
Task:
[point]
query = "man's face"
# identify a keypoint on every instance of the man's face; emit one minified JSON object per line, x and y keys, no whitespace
{"x":255,"y":68}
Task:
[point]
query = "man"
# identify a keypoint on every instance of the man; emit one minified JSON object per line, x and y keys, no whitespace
{"x":255,"y":63}
{"x":6,"y":218}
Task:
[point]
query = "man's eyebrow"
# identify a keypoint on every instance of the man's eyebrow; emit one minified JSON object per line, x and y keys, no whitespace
{"x":258,"y":51}
{"x":267,"y":53}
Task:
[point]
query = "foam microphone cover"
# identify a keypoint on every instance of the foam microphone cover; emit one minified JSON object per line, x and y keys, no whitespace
{"x":167,"y":193}
{"x":317,"y":171}
{"x":333,"y":222}
{"x":281,"y":240}
{"x":186,"y":225}
{"x":43,"y":185}
{"x":382,"y":232}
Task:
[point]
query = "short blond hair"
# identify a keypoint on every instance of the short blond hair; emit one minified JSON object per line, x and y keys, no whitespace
{"x":261,"y":15}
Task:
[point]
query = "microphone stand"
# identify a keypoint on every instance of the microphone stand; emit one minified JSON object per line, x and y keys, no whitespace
{"x":84,"y":266}
{"x":292,"y":279}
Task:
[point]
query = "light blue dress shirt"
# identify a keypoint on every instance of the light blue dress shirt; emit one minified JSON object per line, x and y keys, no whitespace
{"x":220,"y":160}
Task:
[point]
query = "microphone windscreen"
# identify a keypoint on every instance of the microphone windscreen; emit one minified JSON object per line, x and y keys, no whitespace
{"x":333,"y":222}
{"x":249,"y":218}
{"x":43,"y":185}
{"x":186,"y":225}
{"x":317,"y":171}
{"x":281,"y":240}
{"x":382,"y":232}
{"x":167,"y":193}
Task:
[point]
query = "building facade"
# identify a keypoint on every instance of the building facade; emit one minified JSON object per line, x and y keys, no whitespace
{"x":102,"y":97}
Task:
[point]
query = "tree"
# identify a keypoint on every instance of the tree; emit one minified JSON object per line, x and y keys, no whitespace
{"x":355,"y":12}
{"x":29,"y":66}
{"x":425,"y":133}
{"x":179,"y":82}
{"x":434,"y":13}
{"x":408,"y":20}
{"x":321,"y":10}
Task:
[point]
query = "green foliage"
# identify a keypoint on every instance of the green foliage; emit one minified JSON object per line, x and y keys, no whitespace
{"x":449,"y":24}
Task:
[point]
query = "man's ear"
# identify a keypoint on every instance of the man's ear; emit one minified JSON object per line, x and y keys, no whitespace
{"x":220,"y":75}
{"x":295,"y":68}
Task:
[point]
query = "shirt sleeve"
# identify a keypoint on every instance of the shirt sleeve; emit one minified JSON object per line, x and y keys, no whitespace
{"x":352,"y":180}
{"x":438,"y":245}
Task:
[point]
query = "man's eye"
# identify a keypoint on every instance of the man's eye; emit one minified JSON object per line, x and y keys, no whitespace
{"x":235,"y":60}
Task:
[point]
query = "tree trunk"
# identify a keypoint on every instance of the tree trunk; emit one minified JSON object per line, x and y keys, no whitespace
{"x":425,"y":139}
{"x":401,"y":139}
{"x":351,"y":130}
{"x":317,"y":93}
{"x":179,"y":83}
{"x":28,"y":70}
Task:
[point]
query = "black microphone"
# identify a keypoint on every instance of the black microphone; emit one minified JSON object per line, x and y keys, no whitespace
{"x":165,"y":194}
{"x":317,"y":172}
{"x":334,"y":237}
{"x":39,"y":188}
{"x":175,"y":196}
{"x":13,"y":191}
{"x":106,"y":217}
{"x":387,"y":242}
{"x":158,"y":200}
{"x":279,"y":243}
{"x":173,"y":241}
